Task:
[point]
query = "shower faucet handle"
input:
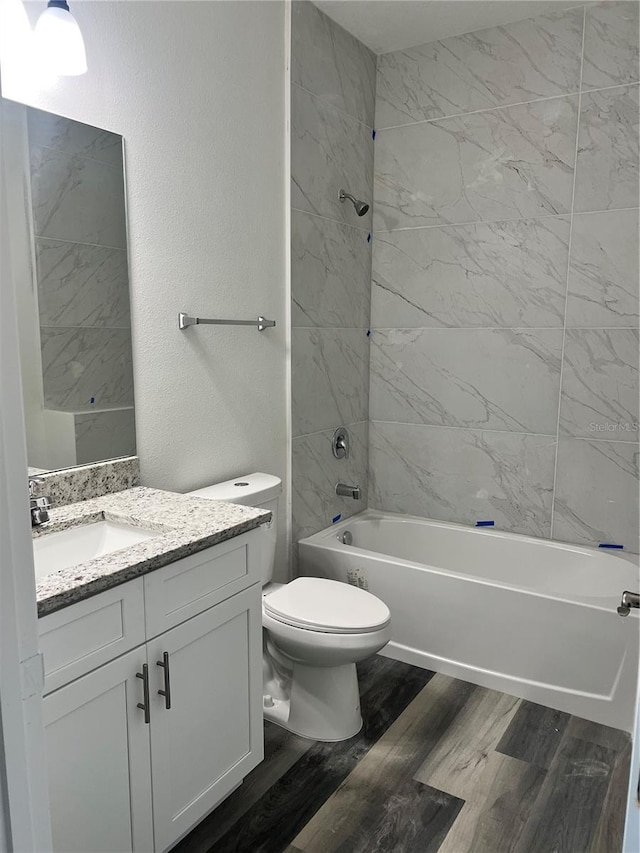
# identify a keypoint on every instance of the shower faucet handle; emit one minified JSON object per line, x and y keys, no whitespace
{"x":340,"y":443}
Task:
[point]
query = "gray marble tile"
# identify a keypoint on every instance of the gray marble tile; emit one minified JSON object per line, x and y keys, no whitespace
{"x":73,"y":137}
{"x":500,"y":379}
{"x":607,"y":165}
{"x":330,"y":273}
{"x":105,"y":435}
{"x":534,"y":58}
{"x":596,"y":495}
{"x":77,"y":199}
{"x":330,"y":151}
{"x":330,"y":378}
{"x":603,"y":270}
{"x":508,"y":163}
{"x":315,"y":472}
{"x":463,"y":475}
{"x":498,"y":274}
{"x":600,"y":384}
{"x":80,"y":364}
{"x":81,"y":285}
{"x":610,"y":45}
{"x":330,"y":62}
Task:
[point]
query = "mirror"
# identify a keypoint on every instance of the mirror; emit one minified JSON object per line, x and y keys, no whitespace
{"x":69,"y":254}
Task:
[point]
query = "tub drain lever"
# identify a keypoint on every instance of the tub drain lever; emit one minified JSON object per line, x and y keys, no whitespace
{"x":629,"y":600}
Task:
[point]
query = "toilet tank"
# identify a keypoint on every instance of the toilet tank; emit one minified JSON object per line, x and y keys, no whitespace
{"x":259,"y":490}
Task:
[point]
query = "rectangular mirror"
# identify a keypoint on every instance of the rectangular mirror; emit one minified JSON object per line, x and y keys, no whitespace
{"x":69,"y":253}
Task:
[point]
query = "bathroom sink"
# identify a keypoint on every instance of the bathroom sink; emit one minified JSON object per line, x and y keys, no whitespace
{"x":55,"y":551}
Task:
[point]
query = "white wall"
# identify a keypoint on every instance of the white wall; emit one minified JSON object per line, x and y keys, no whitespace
{"x":197,"y":89}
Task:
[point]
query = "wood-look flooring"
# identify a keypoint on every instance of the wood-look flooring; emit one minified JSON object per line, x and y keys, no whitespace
{"x":440,"y":765}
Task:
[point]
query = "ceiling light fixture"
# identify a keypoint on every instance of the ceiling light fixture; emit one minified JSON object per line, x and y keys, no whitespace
{"x":59,"y":42}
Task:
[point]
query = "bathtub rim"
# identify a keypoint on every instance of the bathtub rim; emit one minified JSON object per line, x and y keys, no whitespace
{"x":328,"y":538}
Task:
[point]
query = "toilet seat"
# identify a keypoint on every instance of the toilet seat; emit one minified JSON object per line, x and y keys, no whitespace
{"x":318,"y":604}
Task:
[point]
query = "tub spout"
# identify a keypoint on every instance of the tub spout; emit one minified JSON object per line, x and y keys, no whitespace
{"x":345,"y":491}
{"x":629,"y":600}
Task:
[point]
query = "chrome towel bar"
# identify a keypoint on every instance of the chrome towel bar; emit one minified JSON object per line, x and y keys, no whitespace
{"x":184,"y":320}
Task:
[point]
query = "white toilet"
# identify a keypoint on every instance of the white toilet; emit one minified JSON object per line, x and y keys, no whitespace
{"x":315,"y":631}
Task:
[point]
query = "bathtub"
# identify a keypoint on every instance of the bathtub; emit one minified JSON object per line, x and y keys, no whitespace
{"x":530,"y":617}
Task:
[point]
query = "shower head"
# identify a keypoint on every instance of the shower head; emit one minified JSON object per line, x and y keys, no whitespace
{"x":360,"y":206}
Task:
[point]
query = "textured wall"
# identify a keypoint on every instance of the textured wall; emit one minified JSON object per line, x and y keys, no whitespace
{"x":197,"y":90}
{"x":332,"y":105}
{"x":504,"y":354}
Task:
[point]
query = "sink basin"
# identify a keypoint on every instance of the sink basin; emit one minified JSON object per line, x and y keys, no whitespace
{"x":55,"y":551}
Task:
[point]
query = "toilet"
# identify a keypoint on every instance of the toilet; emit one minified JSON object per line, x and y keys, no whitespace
{"x":314,"y":632}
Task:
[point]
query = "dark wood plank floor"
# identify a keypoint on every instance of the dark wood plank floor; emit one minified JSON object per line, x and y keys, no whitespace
{"x":440,"y":765}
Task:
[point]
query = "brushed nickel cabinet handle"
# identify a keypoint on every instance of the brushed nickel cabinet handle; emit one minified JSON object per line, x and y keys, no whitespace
{"x":164,"y":663}
{"x":145,"y":704}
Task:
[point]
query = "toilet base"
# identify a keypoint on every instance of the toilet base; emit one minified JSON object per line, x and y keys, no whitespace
{"x":324,"y":703}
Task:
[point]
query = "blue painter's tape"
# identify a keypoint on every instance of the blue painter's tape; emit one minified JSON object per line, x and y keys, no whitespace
{"x":337,"y":518}
{"x":485,"y":523}
{"x":611,"y":545}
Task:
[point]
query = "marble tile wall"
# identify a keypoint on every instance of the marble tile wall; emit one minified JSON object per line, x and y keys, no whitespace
{"x":332,"y":100}
{"x":504,"y":346}
{"x":78,"y":204}
{"x":110,"y":433}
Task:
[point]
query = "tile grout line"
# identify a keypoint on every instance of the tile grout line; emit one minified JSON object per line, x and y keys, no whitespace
{"x":463,"y":428}
{"x":577,"y":93}
{"x":468,"y":224}
{"x":334,"y":328}
{"x":478,"y":112}
{"x":336,"y":221}
{"x":555,"y":437}
{"x":566,"y":298}
{"x":329,"y":429}
{"x":485,"y":328}
{"x":325,"y":100}
{"x":81,"y":243}
{"x":61,"y":153}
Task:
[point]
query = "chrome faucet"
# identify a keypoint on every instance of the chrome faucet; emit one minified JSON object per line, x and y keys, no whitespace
{"x":340,"y":443}
{"x":345,"y":491}
{"x":39,"y":505}
{"x":629,"y":600}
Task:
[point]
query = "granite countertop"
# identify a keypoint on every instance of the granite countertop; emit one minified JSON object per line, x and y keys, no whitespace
{"x":185,"y":525}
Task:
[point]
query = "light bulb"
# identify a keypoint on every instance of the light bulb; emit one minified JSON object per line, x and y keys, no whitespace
{"x":58,"y":40}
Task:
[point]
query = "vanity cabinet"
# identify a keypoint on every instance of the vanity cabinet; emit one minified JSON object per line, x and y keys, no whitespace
{"x":211,"y":736}
{"x":141,"y":748}
{"x":98,"y":759}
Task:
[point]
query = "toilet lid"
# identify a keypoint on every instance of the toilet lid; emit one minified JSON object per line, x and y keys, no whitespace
{"x":318,"y":604}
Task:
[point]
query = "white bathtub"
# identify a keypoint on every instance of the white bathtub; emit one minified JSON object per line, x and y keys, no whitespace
{"x":531,"y":617}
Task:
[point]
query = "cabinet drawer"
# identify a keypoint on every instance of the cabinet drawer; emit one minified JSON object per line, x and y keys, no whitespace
{"x":188,"y":587}
{"x":85,"y":635}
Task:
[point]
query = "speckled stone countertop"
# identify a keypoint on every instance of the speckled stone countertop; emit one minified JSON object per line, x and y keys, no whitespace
{"x":185,"y":525}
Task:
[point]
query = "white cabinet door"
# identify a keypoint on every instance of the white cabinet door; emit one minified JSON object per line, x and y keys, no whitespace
{"x":98,"y":755}
{"x":211,"y":736}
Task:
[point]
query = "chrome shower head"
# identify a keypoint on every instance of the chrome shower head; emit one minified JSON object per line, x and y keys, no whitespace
{"x":360,"y":206}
